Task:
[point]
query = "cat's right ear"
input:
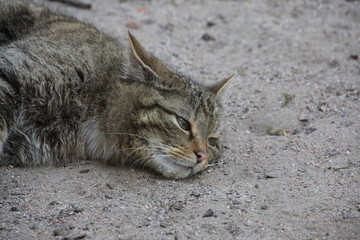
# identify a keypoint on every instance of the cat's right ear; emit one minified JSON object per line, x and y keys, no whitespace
{"x":218,"y":88}
{"x":147,"y":61}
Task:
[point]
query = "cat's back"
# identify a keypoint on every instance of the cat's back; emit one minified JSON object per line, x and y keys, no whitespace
{"x":37,"y":44}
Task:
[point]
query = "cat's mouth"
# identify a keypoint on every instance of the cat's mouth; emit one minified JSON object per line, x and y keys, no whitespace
{"x":177,"y":167}
{"x":184,"y":163}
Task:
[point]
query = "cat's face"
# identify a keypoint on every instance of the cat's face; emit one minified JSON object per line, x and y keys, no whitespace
{"x":181,"y":131}
{"x":177,"y":119}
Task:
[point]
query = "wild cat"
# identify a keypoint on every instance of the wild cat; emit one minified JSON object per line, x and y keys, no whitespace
{"x":69,"y":92}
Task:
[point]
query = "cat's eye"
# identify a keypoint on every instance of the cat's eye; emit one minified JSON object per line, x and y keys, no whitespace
{"x":213,"y":142}
{"x":185,"y":125}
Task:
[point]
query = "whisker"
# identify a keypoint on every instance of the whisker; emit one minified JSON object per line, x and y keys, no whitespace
{"x":142,"y":147}
{"x":142,"y":137}
{"x":156,"y":148}
{"x":138,"y":160}
{"x":222,"y":160}
{"x":146,"y":163}
{"x":167,"y":155}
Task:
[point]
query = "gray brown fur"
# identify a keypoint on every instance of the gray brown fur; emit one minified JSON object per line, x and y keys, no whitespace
{"x":69,"y":92}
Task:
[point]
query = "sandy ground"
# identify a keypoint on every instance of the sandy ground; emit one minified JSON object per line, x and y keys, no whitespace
{"x":291,"y":138}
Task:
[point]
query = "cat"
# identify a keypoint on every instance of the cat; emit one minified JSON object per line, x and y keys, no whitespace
{"x":69,"y":92}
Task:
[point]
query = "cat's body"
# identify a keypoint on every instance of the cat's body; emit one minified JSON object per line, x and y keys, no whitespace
{"x":69,"y":92}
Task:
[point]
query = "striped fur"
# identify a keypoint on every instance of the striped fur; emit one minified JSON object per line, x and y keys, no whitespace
{"x":69,"y":92}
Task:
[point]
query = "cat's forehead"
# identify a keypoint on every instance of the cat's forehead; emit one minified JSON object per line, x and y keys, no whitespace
{"x":203,"y":105}
{"x":190,"y":99}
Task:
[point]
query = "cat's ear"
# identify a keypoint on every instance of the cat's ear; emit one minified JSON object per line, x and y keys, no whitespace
{"x":219,"y":87}
{"x":147,"y":61}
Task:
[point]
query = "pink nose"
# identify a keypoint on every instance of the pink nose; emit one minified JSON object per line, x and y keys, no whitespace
{"x":201,"y":156}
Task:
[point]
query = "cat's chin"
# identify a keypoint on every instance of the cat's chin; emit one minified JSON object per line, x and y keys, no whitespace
{"x":177,"y":171}
{"x":169,"y":169}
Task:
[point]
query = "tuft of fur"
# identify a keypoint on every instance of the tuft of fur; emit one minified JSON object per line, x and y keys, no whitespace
{"x":69,"y":92}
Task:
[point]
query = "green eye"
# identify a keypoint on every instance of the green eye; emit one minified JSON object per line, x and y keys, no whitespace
{"x":183,"y":124}
{"x":213,"y":142}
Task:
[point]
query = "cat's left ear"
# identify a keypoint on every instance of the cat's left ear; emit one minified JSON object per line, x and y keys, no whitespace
{"x":218,"y":88}
{"x":147,"y":61}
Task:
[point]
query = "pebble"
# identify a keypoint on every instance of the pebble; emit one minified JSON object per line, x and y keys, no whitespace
{"x":78,"y":209}
{"x":210,"y":24}
{"x":330,"y":153}
{"x":33,"y":226}
{"x":309,"y":130}
{"x":284,"y":147}
{"x":110,"y":186}
{"x":209,"y":213}
{"x":85,"y":171}
{"x":196,"y":194}
{"x":52,"y":203}
{"x":16,"y":221}
{"x":14,"y":209}
{"x":177,"y":206}
{"x":264,"y":207}
{"x":303,"y":117}
{"x":77,"y":237}
{"x":61,"y":230}
{"x":207,"y":37}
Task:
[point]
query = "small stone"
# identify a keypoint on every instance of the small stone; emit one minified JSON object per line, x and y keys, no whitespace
{"x":33,"y":226}
{"x":273,"y":131}
{"x":110,"y":186}
{"x":125,"y":237}
{"x":268,"y":176}
{"x":309,"y":130}
{"x":354,"y":57}
{"x":77,"y":237}
{"x":78,"y":209}
{"x":209,"y":213}
{"x":107,"y":209}
{"x":333,"y":63}
{"x":132,"y":25}
{"x":16,"y":221}
{"x":210,"y":24}
{"x":207,"y":37}
{"x":264,"y":207}
{"x":108,"y":197}
{"x":196,"y":194}
{"x":236,"y":202}
{"x":14,"y":209}
{"x":295,"y":131}
{"x":52,"y":203}
{"x":85,"y":171}
{"x":61,"y":230}
{"x":330,"y":153}
{"x":177,"y":206}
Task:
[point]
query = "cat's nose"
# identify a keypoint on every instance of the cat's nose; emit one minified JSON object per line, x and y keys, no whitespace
{"x":201,"y":156}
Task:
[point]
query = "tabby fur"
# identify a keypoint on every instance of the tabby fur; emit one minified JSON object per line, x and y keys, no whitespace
{"x":69,"y":92}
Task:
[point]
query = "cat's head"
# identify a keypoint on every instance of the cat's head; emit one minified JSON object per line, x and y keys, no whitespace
{"x":177,"y":119}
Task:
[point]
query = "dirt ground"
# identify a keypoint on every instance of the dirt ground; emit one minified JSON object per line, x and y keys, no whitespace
{"x":291,"y":139}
